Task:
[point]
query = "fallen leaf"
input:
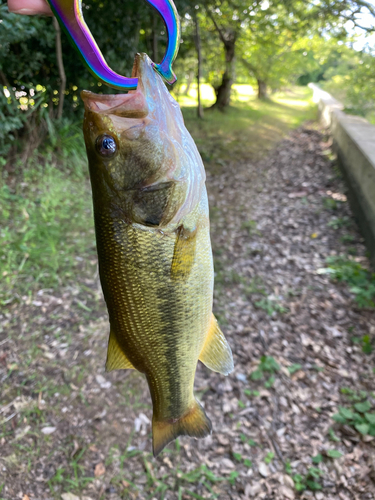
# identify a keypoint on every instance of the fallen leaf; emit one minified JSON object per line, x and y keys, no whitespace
{"x":48,"y":430}
{"x":99,"y":469}
{"x":69,"y":496}
{"x":263,"y":469}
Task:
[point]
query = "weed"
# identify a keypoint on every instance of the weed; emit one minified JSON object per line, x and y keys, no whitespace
{"x":288,"y":468}
{"x":333,"y":436}
{"x":46,"y":226}
{"x":245,"y":439}
{"x":251,"y":227}
{"x":358,"y":415}
{"x":251,"y":393}
{"x":271,"y":306}
{"x":338,"y":222}
{"x":329,"y":204}
{"x":352,"y":395}
{"x":269,"y":457}
{"x":347,"y":238}
{"x":361,"y":281}
{"x":256,"y":286}
{"x":334,"y":454}
{"x":309,"y":481}
{"x":294,"y":368}
{"x":365,"y":342}
{"x":317,"y":459}
{"x":267,"y":365}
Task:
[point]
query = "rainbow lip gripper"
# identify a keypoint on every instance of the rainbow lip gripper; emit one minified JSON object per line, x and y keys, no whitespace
{"x":70,"y":16}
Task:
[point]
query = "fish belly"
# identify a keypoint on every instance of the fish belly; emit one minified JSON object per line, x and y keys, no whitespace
{"x":159,"y":322}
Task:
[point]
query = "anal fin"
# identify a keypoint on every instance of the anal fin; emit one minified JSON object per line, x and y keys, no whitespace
{"x":116,"y":359}
{"x":216,"y":353}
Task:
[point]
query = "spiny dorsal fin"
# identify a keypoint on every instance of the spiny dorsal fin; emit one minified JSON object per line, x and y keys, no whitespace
{"x":184,"y":253}
{"x":116,"y":359}
{"x":216,"y":353}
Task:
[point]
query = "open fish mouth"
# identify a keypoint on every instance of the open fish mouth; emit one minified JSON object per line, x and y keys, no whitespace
{"x":130,"y":105}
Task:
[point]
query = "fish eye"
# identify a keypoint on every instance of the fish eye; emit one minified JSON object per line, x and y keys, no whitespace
{"x":106,"y":145}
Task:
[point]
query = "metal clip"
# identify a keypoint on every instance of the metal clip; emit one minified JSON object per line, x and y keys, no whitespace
{"x":70,"y":16}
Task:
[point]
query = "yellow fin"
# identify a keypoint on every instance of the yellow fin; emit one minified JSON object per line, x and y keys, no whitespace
{"x":116,"y":359}
{"x":184,"y":252}
{"x":194,"y":423}
{"x":216,"y":353}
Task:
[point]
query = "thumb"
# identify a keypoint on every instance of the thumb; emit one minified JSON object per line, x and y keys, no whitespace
{"x":29,"y":7}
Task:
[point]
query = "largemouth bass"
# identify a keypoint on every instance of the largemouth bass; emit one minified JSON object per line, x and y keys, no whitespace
{"x":153,"y":242}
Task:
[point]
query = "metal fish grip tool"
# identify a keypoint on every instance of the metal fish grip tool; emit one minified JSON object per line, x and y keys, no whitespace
{"x":70,"y":17}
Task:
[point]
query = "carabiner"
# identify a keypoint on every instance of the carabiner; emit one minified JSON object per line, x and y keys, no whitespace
{"x":70,"y":16}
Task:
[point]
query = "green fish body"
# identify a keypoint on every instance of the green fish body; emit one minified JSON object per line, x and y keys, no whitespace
{"x":153,"y":242}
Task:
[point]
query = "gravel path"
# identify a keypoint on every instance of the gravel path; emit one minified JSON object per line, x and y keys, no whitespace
{"x":84,"y":434}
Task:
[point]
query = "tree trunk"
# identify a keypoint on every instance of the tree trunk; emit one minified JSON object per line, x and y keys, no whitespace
{"x":60,"y":64}
{"x":262,"y":89}
{"x":155,"y":37}
{"x":199,"y":57}
{"x":224,"y":90}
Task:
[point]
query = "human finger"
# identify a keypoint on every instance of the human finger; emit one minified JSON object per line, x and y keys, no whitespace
{"x":29,"y":7}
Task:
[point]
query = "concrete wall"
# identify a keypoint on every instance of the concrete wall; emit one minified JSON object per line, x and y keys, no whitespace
{"x":354,"y":143}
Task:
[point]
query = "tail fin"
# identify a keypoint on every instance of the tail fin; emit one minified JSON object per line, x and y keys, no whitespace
{"x":194,"y":423}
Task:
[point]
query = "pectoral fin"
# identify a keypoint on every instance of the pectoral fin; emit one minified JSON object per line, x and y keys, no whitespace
{"x":184,"y":253}
{"x":116,"y":359}
{"x":216,"y":353}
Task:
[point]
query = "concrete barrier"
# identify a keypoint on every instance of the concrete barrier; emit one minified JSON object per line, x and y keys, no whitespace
{"x":354,"y":144}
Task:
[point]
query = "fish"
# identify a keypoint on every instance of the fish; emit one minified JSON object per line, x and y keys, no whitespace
{"x":153,"y":241}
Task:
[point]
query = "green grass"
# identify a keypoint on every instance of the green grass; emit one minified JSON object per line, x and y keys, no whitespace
{"x":250,"y":127}
{"x":361,"y":281}
{"x":46,"y":230}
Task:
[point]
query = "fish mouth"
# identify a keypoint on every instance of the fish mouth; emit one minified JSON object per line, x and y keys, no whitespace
{"x":130,"y":105}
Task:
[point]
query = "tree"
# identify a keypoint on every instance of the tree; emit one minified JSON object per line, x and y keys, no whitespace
{"x":272,"y":48}
{"x":227,"y":19}
{"x":267,"y":24}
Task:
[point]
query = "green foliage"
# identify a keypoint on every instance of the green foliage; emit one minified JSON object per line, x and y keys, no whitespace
{"x":267,"y":366}
{"x":334,"y":454}
{"x":294,"y":368}
{"x":351,"y":80}
{"x":309,"y":481}
{"x":339,"y":222}
{"x":250,"y":226}
{"x":317,"y":459}
{"x":46,"y":227}
{"x":358,"y":415}
{"x":361,"y":281}
{"x":270,"y":305}
{"x":365,"y":342}
{"x":329,"y":203}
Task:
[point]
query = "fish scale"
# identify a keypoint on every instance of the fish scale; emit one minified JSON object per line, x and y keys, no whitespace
{"x":142,"y":313}
{"x":154,"y":249}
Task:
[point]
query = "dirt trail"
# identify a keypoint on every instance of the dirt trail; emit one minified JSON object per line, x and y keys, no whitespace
{"x":70,"y":428}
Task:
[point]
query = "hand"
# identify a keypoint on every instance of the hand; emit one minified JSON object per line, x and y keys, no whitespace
{"x":29,"y":7}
